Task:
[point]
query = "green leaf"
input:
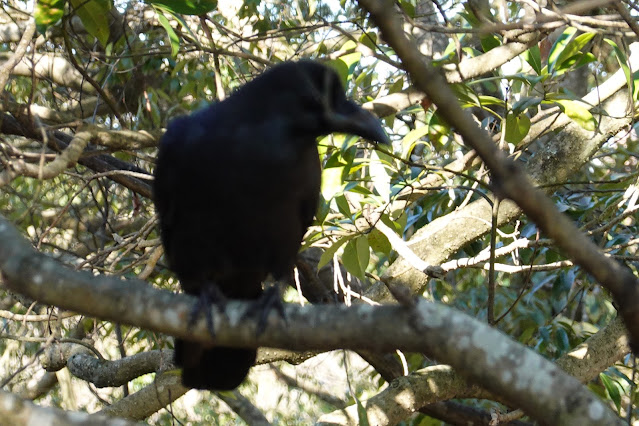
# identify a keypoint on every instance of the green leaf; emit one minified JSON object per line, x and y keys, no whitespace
{"x":612,"y":389}
{"x":396,"y":86}
{"x":533,"y":57}
{"x":358,"y":189}
{"x":94,"y":15}
{"x":576,"y":61}
{"x":350,"y":261}
{"x":369,"y":40}
{"x":174,"y":41}
{"x":571,"y":49}
{"x":524,"y":103}
{"x":623,"y":63}
{"x":379,"y":242}
{"x":470,"y":16}
{"x":559,"y":46}
{"x":393,"y":224}
{"x":411,"y":138}
{"x":355,"y":257}
{"x":380,"y":177}
{"x":363,"y":252}
{"x":352,"y":58}
{"x":362,"y":415}
{"x":329,"y":253}
{"x":332,"y":183}
{"x":562,"y":341}
{"x":47,"y":13}
{"x":342,"y":69}
{"x":466,"y":94}
{"x":186,"y":7}
{"x":343,"y":206}
{"x":579,"y":113}
{"x":408,"y":7}
{"x":323,"y":209}
{"x":517,"y":127}
{"x":490,"y":42}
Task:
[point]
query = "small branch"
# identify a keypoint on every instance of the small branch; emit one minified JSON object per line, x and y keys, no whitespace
{"x":244,"y":408}
{"x":491,"y":265}
{"x":103,"y":94}
{"x":35,"y":318}
{"x":21,"y":48}
{"x":67,"y":158}
{"x":310,"y":388}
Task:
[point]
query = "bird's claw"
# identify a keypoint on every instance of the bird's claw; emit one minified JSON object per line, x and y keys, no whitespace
{"x":209,"y":296}
{"x":270,"y":300}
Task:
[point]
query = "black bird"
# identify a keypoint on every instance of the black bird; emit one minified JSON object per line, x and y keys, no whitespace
{"x":237,"y":185}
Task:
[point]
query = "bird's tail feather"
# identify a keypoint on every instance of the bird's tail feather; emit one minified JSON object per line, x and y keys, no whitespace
{"x":212,"y":368}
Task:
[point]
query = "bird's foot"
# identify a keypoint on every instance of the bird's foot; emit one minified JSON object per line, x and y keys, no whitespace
{"x":209,"y":296}
{"x":270,"y":300}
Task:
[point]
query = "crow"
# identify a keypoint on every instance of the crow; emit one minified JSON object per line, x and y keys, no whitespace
{"x":236,"y":187}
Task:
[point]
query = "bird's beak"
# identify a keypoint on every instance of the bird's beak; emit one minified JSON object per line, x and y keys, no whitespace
{"x":359,"y":122}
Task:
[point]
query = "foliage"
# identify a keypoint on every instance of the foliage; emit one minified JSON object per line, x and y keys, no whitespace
{"x":135,"y":65}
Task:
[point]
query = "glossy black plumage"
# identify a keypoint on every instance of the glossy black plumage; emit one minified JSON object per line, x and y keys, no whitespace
{"x":237,"y":185}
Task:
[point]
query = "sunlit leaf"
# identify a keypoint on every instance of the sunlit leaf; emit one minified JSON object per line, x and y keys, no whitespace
{"x":579,"y":113}
{"x":174,"y":41}
{"x":408,"y":142}
{"x":341,"y":67}
{"x":559,"y":46}
{"x":186,"y":7}
{"x":47,"y":13}
{"x":380,"y":177}
{"x":623,"y":63}
{"x":332,"y":182}
{"x":369,"y":39}
{"x":572,"y":48}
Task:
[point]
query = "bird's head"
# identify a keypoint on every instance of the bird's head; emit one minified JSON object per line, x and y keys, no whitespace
{"x":316,"y":100}
{"x":338,"y":114}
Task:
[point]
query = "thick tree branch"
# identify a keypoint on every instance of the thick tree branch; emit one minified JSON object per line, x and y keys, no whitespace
{"x":50,"y":67}
{"x":166,"y":388}
{"x":438,"y":383}
{"x":104,"y":373}
{"x":16,"y":411}
{"x":478,"y":352}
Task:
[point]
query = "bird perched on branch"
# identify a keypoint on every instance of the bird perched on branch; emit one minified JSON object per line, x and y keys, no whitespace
{"x":236,"y":186}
